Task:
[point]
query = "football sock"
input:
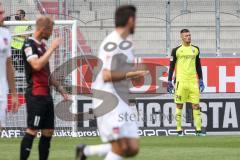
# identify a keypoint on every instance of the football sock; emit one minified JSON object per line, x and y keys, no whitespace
{"x":26,"y":146}
{"x":99,"y":150}
{"x":179,"y":119}
{"x":197,"y":119}
{"x":43,"y":147}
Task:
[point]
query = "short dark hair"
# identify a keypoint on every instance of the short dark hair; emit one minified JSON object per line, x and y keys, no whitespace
{"x":123,"y":13}
{"x":22,"y":12}
{"x":184,"y":31}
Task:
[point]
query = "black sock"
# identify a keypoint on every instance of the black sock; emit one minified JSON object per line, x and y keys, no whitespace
{"x":43,"y":147}
{"x":26,"y":146}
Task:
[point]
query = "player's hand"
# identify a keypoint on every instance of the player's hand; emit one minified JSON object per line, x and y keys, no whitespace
{"x":14,"y":105}
{"x":56,"y":42}
{"x":201,"y":85}
{"x":136,"y":74}
{"x":66,"y":96}
{"x":170,"y":87}
{"x":64,"y":93}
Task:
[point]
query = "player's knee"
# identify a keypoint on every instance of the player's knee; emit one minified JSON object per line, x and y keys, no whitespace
{"x":47,"y":132}
{"x":32,"y":132}
{"x":123,"y":149}
{"x":120,"y":147}
{"x":179,"y":106}
{"x":195,"y":106}
{"x":132,"y":151}
{"x":132,"y":148}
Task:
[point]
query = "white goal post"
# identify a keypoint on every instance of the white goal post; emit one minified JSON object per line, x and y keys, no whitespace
{"x":66,"y":29}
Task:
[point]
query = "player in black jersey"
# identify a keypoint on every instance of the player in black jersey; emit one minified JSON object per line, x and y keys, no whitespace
{"x":40,"y":110}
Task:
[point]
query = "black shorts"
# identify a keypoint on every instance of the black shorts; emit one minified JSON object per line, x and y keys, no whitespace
{"x":40,"y":112}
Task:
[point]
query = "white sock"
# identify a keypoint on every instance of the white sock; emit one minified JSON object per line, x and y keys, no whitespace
{"x":112,"y":156}
{"x":99,"y":150}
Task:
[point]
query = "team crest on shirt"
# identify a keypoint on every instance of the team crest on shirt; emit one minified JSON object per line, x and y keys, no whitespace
{"x":116,"y":130}
{"x":28,"y":51}
{"x":193,"y":50}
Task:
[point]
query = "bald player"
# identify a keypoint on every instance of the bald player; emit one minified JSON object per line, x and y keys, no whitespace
{"x":40,"y":110}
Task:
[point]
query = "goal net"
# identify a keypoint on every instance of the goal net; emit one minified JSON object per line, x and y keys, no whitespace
{"x":67,"y":30}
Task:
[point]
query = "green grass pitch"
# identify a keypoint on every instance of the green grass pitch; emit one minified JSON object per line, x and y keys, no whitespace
{"x":152,"y":148}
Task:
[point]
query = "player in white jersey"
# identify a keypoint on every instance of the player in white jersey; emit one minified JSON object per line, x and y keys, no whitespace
{"x":120,"y":133}
{"x":6,"y":70}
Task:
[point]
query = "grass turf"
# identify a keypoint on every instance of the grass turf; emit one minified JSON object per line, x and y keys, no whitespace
{"x":152,"y":148}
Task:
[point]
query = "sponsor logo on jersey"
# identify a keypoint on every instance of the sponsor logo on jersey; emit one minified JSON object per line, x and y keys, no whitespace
{"x":116,"y":130}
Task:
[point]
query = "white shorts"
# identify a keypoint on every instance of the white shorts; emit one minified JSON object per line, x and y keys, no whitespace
{"x":3,"y":109}
{"x":118,"y":124}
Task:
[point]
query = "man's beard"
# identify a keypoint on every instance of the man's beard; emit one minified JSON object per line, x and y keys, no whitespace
{"x":45,"y":37}
{"x":132,"y":30}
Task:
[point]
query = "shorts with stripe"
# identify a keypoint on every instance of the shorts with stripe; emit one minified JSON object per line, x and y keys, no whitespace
{"x":187,"y":91}
{"x":40,"y":111}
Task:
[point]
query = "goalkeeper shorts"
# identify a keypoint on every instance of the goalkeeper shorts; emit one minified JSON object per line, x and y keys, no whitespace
{"x":186,"y":91}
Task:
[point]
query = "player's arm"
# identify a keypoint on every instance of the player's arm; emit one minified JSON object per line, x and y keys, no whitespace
{"x":11,"y":83}
{"x":173,"y":60}
{"x":37,"y":63}
{"x":59,"y":88}
{"x":199,"y":66}
{"x":113,"y":76}
{"x":199,"y":72}
{"x":57,"y":85}
{"x":10,"y":76}
{"x":110,"y":75}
